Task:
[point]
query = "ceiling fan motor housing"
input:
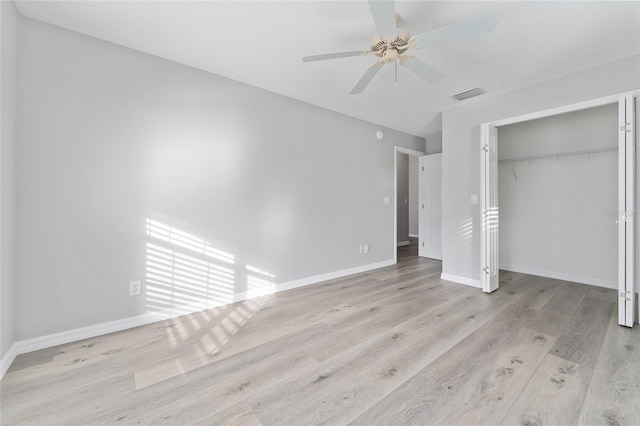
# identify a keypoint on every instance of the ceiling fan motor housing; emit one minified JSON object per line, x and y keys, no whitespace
{"x":389,"y":49}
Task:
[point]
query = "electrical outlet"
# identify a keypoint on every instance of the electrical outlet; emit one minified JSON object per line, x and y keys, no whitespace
{"x":134,"y":288}
{"x":361,"y":249}
{"x":366,"y":248}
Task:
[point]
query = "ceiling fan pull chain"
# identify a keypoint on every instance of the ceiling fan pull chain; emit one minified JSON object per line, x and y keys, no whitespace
{"x":396,"y":68}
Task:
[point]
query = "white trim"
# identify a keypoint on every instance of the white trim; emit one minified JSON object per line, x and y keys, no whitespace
{"x":407,"y":151}
{"x":560,"y":276}
{"x":64,"y":337}
{"x":410,"y":151}
{"x":548,"y":113}
{"x":8,"y":359}
{"x":333,"y":275}
{"x":402,"y":243}
{"x":559,"y":110}
{"x":461,"y":280}
{"x":395,"y":203}
{"x":414,"y":236}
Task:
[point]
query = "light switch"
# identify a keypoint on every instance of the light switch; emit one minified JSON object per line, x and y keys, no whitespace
{"x":474,"y":198}
{"x":406,"y":201}
{"x":386,"y":200}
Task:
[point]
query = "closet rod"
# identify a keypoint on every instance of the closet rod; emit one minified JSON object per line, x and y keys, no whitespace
{"x":561,"y":154}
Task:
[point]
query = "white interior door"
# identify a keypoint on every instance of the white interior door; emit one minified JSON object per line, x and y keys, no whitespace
{"x":430,"y":200}
{"x":626,"y":210}
{"x":489,"y":275}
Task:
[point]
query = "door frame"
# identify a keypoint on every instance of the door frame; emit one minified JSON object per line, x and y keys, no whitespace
{"x":425,"y":167}
{"x":402,"y":150}
{"x":484,"y":127}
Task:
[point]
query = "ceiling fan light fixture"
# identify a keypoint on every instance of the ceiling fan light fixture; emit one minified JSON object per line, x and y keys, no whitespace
{"x":390,"y":55}
{"x":469,"y":94}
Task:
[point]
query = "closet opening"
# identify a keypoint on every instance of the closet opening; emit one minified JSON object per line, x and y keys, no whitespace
{"x":558,"y":192}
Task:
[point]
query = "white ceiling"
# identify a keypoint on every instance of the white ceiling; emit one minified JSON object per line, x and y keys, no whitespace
{"x":261,"y":43}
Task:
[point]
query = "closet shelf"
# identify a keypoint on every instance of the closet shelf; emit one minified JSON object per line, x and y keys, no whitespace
{"x":560,"y":154}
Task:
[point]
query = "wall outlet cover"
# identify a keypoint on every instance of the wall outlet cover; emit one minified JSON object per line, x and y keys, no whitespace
{"x":135,"y":288}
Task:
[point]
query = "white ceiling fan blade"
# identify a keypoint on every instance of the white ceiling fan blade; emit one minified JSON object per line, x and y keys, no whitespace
{"x":334,"y":55}
{"x":422,"y":69}
{"x":384,"y":16}
{"x":483,"y":25}
{"x":366,"y":78}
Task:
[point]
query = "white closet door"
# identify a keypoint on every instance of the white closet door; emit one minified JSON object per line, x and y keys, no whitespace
{"x":626,"y":214}
{"x":489,"y":275}
{"x":430,"y":199}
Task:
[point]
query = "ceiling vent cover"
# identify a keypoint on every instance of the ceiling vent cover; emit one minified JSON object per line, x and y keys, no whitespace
{"x":469,"y":94}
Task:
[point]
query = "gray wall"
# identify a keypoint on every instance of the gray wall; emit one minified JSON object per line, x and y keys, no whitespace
{"x":402,"y":194}
{"x":434,"y":142}
{"x":111,"y":138}
{"x":461,"y":148}
{"x":555,"y":214}
{"x":8,"y":137}
{"x":413,"y":195}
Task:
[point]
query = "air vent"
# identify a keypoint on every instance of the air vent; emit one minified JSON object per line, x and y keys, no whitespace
{"x":469,"y":94}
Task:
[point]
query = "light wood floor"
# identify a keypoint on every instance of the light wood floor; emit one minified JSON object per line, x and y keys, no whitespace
{"x":392,"y":346}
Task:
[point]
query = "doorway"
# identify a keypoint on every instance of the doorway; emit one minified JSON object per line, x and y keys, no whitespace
{"x":417,"y":204}
{"x":625,"y":216}
{"x":406,"y":193}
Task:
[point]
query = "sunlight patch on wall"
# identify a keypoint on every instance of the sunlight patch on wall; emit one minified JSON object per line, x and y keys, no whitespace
{"x":174,"y":279}
{"x":183,"y":269}
{"x":465,"y":230}
{"x":259,"y":282}
{"x":185,"y":240}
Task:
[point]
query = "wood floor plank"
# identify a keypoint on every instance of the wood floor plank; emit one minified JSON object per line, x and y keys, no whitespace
{"x":55,"y":409}
{"x":240,"y":414}
{"x":44,"y":356}
{"x":474,"y":394}
{"x":540,"y":291}
{"x":413,"y":403}
{"x":581,"y":340}
{"x":554,"y":396}
{"x":613,"y":397}
{"x":259,"y":366}
{"x":396,"y":345}
{"x":371,"y":320}
{"x":505,"y":356}
{"x":340,"y":389}
{"x":602,"y":293}
{"x":197,"y":403}
{"x":568,"y":297}
{"x":510,"y":276}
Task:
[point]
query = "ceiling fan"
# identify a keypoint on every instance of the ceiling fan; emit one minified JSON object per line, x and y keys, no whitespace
{"x":392,"y":43}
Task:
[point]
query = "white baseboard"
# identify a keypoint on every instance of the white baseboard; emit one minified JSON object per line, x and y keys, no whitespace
{"x":64,"y":337}
{"x":402,"y":243}
{"x":461,"y":280}
{"x":414,"y":235}
{"x":7,"y":360}
{"x":333,"y":275}
{"x":561,"y":276}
